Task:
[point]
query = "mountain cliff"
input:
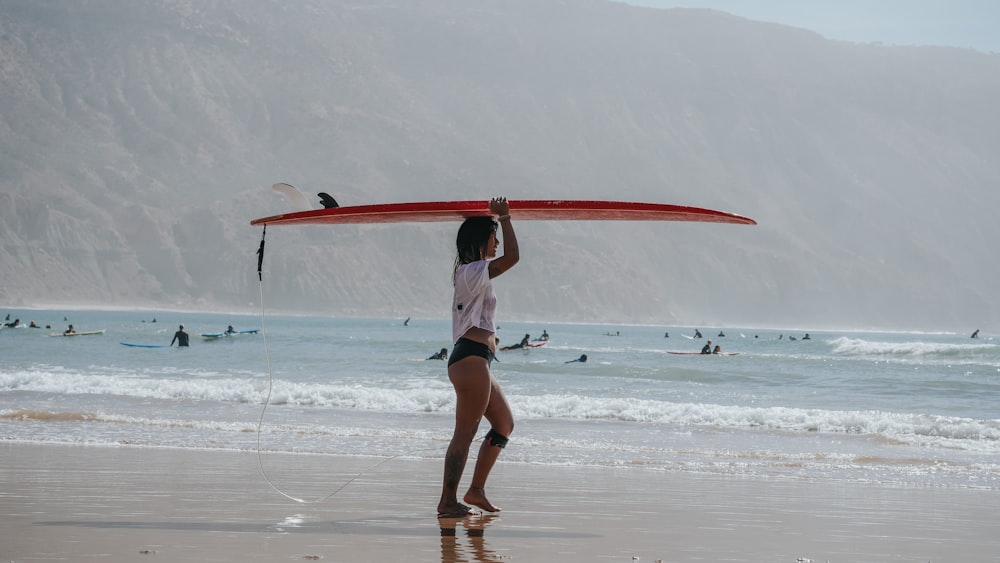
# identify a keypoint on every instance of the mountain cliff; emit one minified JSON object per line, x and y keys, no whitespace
{"x":138,"y":139}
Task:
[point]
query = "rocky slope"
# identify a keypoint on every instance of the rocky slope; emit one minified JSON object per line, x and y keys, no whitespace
{"x":138,"y":139}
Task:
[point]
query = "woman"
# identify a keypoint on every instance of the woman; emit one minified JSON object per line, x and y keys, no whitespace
{"x":477,"y":393}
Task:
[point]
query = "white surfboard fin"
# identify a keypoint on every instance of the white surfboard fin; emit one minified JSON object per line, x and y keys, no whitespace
{"x":294,"y":196}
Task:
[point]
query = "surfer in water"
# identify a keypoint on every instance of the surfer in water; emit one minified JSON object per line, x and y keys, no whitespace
{"x":707,"y":348}
{"x":180,"y":337}
{"x":477,"y":393}
{"x":524,"y":342}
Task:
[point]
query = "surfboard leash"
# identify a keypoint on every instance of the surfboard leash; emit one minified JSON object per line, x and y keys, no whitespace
{"x":260,"y":256}
{"x":270,"y":388}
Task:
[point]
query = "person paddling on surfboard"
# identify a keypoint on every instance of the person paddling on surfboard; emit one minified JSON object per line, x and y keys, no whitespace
{"x":524,"y":342}
{"x":478,"y":394}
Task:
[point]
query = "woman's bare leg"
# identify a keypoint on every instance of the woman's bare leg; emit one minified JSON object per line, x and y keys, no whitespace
{"x":501,"y":420}
{"x":473,"y":384}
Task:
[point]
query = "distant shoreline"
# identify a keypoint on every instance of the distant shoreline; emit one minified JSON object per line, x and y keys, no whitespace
{"x":792,"y":331}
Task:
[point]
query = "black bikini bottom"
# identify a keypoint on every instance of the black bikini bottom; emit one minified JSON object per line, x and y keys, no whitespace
{"x":465,"y":348}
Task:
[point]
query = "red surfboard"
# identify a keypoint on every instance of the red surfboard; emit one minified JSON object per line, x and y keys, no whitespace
{"x":520,"y":210}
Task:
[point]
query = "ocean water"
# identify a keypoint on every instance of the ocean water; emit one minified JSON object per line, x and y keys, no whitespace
{"x":907,"y":409}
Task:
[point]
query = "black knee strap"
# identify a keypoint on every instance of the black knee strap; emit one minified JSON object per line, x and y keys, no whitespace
{"x":495,"y":438}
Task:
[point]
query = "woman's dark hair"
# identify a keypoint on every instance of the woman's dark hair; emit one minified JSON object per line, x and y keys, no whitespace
{"x":472,"y":238}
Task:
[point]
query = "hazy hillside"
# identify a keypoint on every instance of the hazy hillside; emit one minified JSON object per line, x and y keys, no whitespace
{"x":138,"y":139}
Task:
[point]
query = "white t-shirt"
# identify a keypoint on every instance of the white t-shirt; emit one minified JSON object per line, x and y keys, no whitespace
{"x":475,"y":303}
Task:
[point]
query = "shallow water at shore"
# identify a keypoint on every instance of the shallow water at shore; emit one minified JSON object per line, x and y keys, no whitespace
{"x":901,"y":408}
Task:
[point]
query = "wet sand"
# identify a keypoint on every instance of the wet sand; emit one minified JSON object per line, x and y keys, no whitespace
{"x":127,"y":504}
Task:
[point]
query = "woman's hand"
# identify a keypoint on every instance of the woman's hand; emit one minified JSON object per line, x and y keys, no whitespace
{"x":499,"y":206}
{"x":511,"y":254}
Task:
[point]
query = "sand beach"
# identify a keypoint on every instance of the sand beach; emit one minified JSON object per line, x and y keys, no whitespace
{"x":127,"y":504}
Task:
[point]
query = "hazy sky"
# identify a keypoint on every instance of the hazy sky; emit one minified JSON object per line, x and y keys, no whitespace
{"x":959,"y":23}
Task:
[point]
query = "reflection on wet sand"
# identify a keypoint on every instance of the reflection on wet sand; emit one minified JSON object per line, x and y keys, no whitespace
{"x":474,"y":549}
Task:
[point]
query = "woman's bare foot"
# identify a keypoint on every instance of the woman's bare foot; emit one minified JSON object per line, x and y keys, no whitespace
{"x":457,"y":510}
{"x":477,"y":497}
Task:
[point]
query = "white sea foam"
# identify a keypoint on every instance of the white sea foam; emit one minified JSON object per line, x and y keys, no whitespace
{"x":418,"y":397}
{"x":845,"y":346}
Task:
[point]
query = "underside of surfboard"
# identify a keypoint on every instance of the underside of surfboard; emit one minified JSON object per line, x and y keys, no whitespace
{"x":525,"y":209}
